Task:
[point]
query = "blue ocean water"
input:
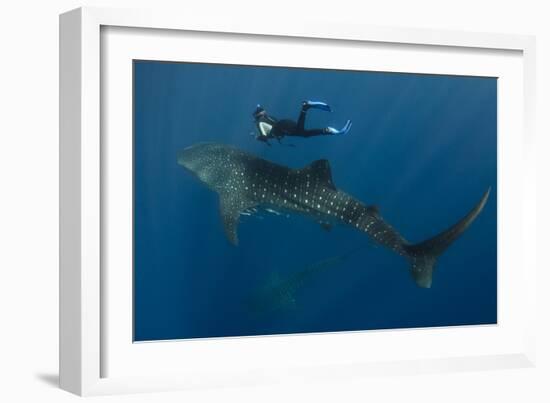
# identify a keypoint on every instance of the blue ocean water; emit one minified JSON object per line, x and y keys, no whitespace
{"x":423,"y":148}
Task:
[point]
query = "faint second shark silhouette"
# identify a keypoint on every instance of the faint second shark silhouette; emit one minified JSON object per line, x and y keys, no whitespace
{"x":280,"y":293}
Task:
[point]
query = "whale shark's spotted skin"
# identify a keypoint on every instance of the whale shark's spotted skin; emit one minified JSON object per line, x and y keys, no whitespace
{"x":244,"y":181}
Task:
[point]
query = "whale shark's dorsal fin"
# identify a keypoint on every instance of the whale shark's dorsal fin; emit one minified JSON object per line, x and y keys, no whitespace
{"x":231,"y":206}
{"x":320,"y":170}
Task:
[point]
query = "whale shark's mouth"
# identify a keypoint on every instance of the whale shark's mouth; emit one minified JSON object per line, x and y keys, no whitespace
{"x":182,"y":157}
{"x":189,"y":155}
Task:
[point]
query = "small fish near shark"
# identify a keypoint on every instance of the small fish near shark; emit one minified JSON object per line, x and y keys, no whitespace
{"x":244,"y":181}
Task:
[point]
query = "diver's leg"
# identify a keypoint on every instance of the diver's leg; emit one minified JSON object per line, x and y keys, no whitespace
{"x":306,"y":105}
{"x":312,"y":133}
{"x":302,"y":118}
{"x":317,"y":105}
{"x":327,"y":131}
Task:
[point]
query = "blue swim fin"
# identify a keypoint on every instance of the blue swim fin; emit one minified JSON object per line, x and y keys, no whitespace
{"x":343,"y":130}
{"x":317,"y":105}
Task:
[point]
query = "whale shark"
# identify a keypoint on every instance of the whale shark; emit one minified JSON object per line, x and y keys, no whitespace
{"x":244,"y":182}
{"x":279,"y":293}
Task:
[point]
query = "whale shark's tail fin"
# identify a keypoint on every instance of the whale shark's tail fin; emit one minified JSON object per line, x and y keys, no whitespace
{"x":423,"y":255}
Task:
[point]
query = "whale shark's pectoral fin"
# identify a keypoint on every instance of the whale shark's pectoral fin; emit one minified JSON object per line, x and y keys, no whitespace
{"x":231,"y":207}
{"x":320,"y":171}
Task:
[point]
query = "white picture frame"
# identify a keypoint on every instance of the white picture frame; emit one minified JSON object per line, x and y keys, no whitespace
{"x":84,"y":168}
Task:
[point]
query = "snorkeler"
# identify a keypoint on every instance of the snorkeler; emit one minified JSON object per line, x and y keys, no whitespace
{"x":271,"y":128}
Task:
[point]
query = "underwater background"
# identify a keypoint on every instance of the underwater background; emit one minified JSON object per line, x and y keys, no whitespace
{"x":423,"y":148}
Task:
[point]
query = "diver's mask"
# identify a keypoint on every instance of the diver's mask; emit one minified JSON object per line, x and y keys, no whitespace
{"x":259,"y":112}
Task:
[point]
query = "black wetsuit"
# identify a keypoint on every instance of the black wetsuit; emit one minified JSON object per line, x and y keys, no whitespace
{"x":288,"y":127}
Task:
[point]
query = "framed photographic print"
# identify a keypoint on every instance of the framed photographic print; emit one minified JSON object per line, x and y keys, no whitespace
{"x":242,"y":203}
